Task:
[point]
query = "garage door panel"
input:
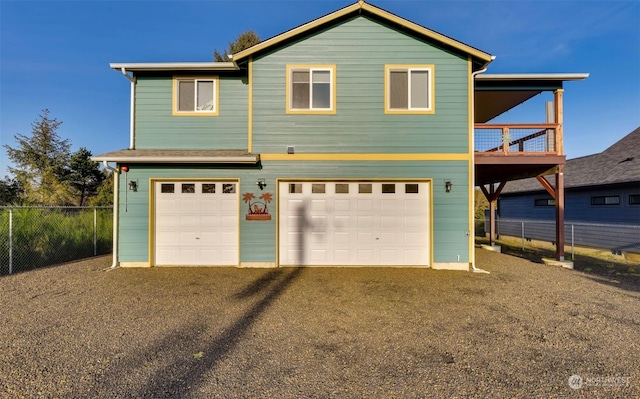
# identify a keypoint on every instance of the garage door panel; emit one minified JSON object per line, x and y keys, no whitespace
{"x":355,"y":223}
{"x":364,"y":205}
{"x":318,"y":205}
{"x":228,"y":205}
{"x":341,"y":205}
{"x":390,"y":257}
{"x":196,"y":225}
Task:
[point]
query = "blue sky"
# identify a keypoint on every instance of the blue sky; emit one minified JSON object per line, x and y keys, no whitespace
{"x":56,"y":55}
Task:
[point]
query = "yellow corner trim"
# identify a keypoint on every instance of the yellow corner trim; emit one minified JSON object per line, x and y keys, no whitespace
{"x":174,"y":96}
{"x":291,"y":111}
{"x":431,"y":95}
{"x":250,"y":116}
{"x":366,"y":157}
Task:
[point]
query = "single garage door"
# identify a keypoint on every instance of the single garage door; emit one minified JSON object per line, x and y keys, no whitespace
{"x":354,"y":223}
{"x":196,"y":223}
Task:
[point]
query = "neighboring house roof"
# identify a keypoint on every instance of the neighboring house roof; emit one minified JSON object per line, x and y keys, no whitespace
{"x":481,"y":59}
{"x":618,"y":164}
{"x":179,"y":156}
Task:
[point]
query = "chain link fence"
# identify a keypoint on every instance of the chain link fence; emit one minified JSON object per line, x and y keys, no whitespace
{"x":618,"y":238}
{"x":34,"y":237}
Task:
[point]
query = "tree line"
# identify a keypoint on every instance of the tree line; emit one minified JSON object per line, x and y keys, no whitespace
{"x":47,"y":173}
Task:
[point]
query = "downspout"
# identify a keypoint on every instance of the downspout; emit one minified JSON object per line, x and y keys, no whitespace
{"x":132,"y":110}
{"x":473,"y":140}
{"x":116,"y":207}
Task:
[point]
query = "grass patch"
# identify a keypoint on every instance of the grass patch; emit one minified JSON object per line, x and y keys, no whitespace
{"x":49,"y":236}
{"x":596,"y":262}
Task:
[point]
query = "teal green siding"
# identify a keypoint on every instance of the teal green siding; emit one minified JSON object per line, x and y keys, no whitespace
{"x":360,"y":48}
{"x":258,"y":238}
{"x":157,"y":128}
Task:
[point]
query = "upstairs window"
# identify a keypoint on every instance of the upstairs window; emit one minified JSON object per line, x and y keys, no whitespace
{"x":311,"y":89}
{"x":409,"y":89}
{"x":195,"y":96}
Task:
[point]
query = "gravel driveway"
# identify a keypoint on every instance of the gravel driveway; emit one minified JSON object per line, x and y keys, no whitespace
{"x":78,"y":331}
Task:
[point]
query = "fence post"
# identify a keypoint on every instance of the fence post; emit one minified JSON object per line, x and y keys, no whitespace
{"x":95,"y":231}
{"x":522,"y":236}
{"x":573,"y":256}
{"x":10,"y":240}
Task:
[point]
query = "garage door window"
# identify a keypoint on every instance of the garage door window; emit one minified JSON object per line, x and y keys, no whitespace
{"x":388,"y":188}
{"x":365,"y":188}
{"x":208,"y":188}
{"x":295,"y":188}
{"x":188,"y":188}
{"x":167,"y":189}
{"x":411,"y":188}
{"x":228,"y":188}
{"x":342,"y":188}
{"x":318,"y":188}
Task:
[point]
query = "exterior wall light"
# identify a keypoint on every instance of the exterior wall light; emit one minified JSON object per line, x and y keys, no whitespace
{"x":133,"y":185}
{"x":261,"y":183}
{"x":447,"y":186}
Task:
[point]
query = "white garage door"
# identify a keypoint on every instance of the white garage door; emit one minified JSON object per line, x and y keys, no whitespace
{"x":364,"y":223}
{"x":196,"y":223}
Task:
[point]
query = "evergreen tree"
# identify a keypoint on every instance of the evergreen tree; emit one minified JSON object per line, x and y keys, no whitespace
{"x":40,"y":161}
{"x":242,"y":42}
{"x":104,"y":193}
{"x":83,"y":176}
{"x":10,"y":191}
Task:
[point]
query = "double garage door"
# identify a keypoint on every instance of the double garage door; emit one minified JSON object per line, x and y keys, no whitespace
{"x":350,"y":223}
{"x":359,"y":223}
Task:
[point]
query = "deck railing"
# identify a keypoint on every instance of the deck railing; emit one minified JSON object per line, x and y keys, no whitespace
{"x":514,"y":139}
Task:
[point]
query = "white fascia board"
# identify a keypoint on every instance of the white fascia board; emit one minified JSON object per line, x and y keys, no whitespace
{"x":173,"y":66}
{"x":533,"y":76}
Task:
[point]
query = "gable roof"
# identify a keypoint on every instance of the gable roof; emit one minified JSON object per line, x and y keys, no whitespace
{"x":481,"y":59}
{"x":619,"y":163}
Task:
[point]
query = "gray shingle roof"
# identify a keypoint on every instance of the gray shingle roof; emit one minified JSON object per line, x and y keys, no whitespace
{"x":619,"y":163}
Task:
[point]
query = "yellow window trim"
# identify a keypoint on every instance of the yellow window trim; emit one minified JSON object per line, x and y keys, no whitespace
{"x":216,"y":94}
{"x":292,"y":111}
{"x":387,"y":106}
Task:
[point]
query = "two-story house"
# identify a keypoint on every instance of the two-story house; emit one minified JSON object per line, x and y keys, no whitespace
{"x":349,"y":140}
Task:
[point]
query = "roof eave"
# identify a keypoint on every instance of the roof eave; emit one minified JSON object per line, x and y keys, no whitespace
{"x":252,"y":159}
{"x":175,"y":66}
{"x":533,"y":76}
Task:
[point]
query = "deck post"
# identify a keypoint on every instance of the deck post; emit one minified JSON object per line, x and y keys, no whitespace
{"x":560,"y":213}
{"x":559,"y":119}
{"x":492,"y":215}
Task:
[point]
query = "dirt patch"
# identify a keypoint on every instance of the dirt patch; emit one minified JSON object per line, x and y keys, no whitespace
{"x":522,"y":331}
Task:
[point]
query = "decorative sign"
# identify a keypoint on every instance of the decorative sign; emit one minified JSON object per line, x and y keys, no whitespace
{"x":258,"y":207}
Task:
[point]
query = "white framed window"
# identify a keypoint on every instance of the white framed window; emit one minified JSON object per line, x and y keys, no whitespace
{"x":195,"y":96}
{"x":311,"y":89}
{"x":409,"y":89}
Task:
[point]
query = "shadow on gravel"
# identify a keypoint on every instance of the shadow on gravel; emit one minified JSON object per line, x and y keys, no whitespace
{"x":186,"y":374}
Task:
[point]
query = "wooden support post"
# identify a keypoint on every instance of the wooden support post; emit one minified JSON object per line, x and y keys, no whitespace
{"x":492,"y":196}
{"x":557,"y":99}
{"x":492,"y":216}
{"x":560,"y":213}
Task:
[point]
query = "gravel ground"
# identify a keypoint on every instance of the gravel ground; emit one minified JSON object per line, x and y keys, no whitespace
{"x":78,"y":331}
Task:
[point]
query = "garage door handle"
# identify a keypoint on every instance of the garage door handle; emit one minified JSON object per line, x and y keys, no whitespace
{"x":197,"y":238}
